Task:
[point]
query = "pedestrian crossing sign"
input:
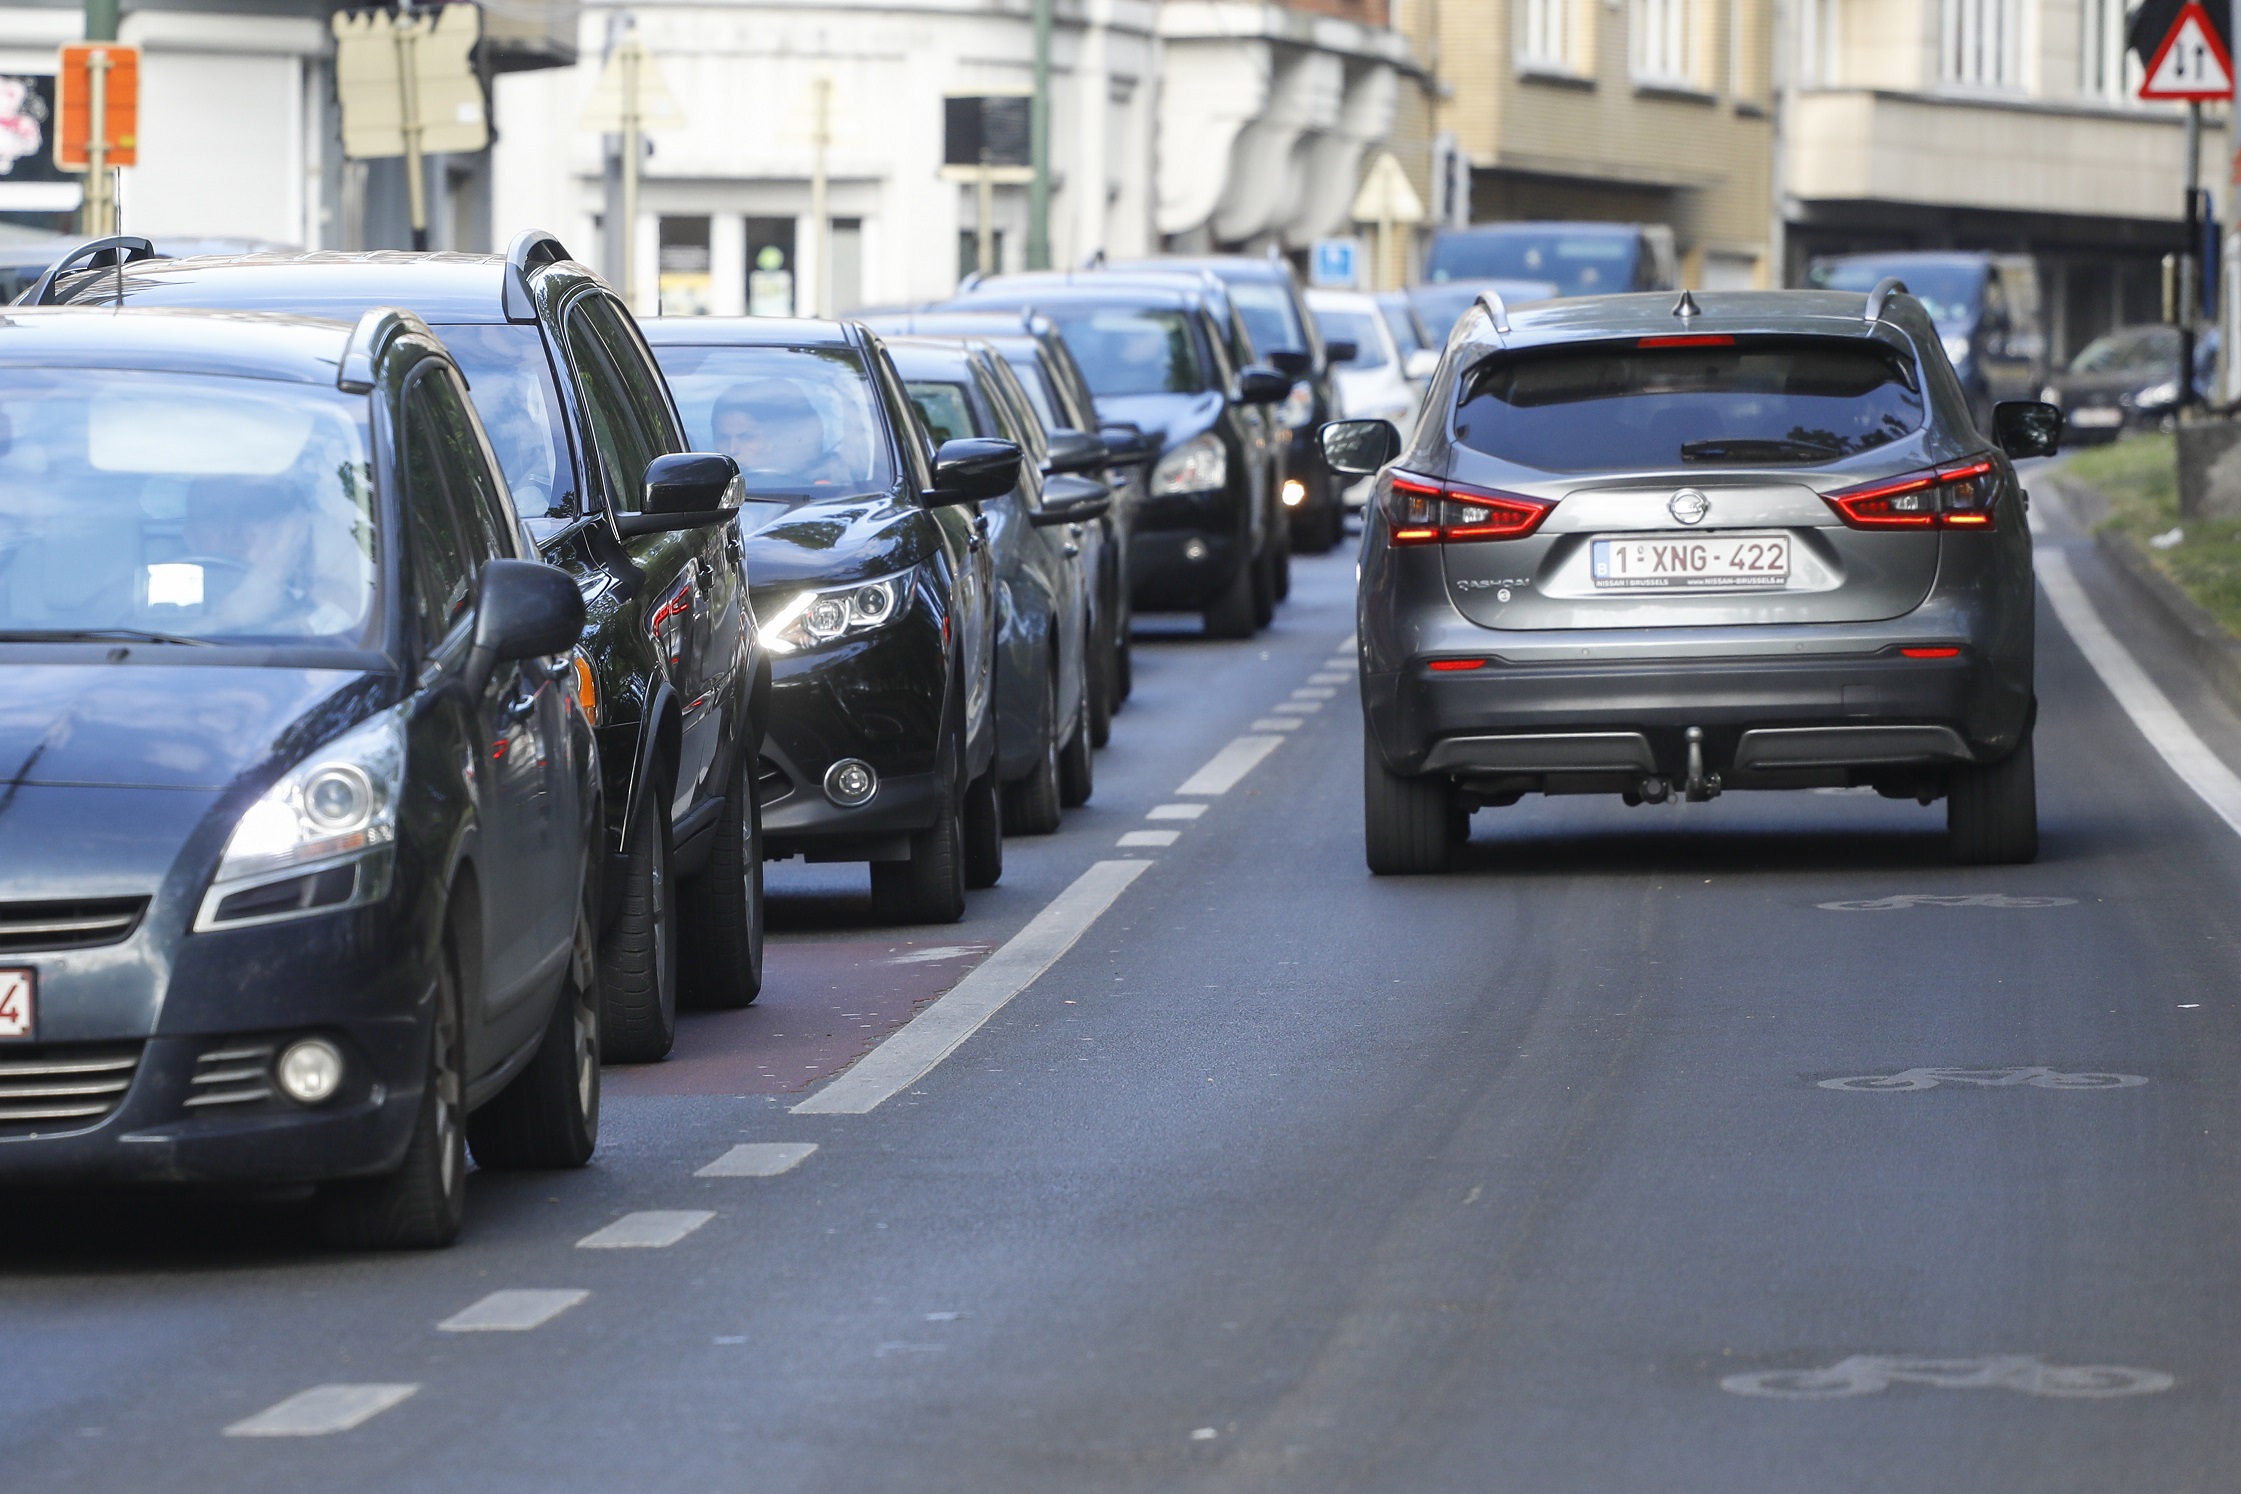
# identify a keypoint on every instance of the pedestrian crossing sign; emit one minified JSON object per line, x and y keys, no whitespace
{"x":2192,"y":64}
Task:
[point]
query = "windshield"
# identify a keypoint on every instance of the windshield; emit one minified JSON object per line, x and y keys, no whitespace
{"x":1358,"y":328}
{"x":510,"y":380}
{"x":2129,"y":350}
{"x":1949,"y":292}
{"x":1579,"y":263}
{"x":799,"y":421}
{"x":1126,"y":350}
{"x":1403,"y":324}
{"x":1267,"y":310}
{"x":190,"y":505}
{"x":1790,"y":402}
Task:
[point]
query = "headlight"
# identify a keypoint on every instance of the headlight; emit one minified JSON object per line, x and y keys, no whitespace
{"x":810,"y":618}
{"x":320,"y":838}
{"x":2156,"y":395}
{"x":2050,"y":395}
{"x":1199,"y":465}
{"x":1956,"y":348}
{"x":1298,"y":407}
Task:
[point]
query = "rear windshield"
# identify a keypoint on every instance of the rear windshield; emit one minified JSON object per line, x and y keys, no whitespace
{"x":800,"y":422}
{"x":1127,"y":350}
{"x":1606,"y":409}
{"x":1580,"y":263}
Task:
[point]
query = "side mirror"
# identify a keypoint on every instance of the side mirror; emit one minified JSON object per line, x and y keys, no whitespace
{"x":1259,"y":384}
{"x":685,"y":490}
{"x":1342,"y":349}
{"x":972,"y":468}
{"x":1076,"y":451}
{"x":1294,"y":363}
{"x":1127,"y":443}
{"x":523,"y":610}
{"x":1421,"y":365}
{"x":2027,"y":428}
{"x":1358,"y":448}
{"x":1071,"y":500}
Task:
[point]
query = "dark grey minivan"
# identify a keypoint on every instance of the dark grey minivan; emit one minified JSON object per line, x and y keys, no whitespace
{"x":1656,"y":548}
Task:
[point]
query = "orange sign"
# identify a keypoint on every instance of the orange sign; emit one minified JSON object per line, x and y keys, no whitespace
{"x":111,"y":73}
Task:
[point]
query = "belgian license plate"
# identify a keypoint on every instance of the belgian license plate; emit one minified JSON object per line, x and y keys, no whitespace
{"x":2099,"y":417}
{"x":18,"y":993}
{"x":1712,"y":562}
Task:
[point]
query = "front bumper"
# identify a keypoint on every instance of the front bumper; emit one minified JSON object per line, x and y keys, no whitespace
{"x":1187,"y":548}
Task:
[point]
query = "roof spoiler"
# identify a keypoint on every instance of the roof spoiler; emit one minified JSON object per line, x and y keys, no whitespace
{"x":1885,"y":289}
{"x":378,"y":328}
{"x":114,"y":252}
{"x":531,"y":250}
{"x":1491,"y":299}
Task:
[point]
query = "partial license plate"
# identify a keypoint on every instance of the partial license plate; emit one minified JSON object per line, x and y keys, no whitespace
{"x":2096,"y":417}
{"x":1693,"y":563}
{"x":18,"y":1003}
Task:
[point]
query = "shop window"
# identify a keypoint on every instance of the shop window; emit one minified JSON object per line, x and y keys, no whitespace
{"x":684,"y":267}
{"x":770,"y":267}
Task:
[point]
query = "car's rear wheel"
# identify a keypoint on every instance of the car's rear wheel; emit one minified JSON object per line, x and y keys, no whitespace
{"x":421,"y":1205}
{"x":1032,"y":804}
{"x":549,"y":1115}
{"x":1264,"y":586}
{"x":984,"y":831}
{"x":1410,"y":826}
{"x":1232,"y":614}
{"x":1992,"y":810}
{"x":1077,"y":774}
{"x":930,"y":886}
{"x":720,"y":956}
{"x":1098,"y":694}
{"x":638,"y":965}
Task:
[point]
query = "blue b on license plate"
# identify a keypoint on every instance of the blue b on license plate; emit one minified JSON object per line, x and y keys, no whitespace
{"x":1711,"y":562}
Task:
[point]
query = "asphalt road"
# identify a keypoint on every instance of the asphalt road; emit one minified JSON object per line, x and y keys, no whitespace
{"x":1617,"y":1161}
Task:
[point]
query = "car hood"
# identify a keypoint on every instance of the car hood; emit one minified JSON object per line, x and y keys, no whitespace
{"x":838,"y":540}
{"x":1176,"y":417}
{"x":159,"y":726}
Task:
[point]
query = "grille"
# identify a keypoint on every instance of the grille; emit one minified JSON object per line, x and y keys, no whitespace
{"x":69,"y":925}
{"x":76,"y":1082}
{"x":238,"y":1074}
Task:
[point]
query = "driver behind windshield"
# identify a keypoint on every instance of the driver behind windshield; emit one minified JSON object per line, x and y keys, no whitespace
{"x":771,"y":429}
{"x":258,"y":537}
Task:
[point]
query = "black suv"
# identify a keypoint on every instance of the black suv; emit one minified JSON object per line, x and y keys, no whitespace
{"x":671,"y":671}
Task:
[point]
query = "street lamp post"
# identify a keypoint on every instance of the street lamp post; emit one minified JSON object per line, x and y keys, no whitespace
{"x":1038,"y":146}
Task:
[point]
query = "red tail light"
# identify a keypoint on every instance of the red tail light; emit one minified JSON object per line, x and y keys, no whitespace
{"x":1425,"y":512}
{"x":1930,"y":653}
{"x":1700,"y":340}
{"x":1455,"y":666}
{"x":1951,"y":497}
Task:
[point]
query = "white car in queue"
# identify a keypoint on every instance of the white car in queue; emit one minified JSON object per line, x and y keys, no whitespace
{"x":1372,"y":383}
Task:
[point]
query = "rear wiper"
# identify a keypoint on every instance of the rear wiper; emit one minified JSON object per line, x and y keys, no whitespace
{"x":98,"y":635}
{"x":1756,"y":449}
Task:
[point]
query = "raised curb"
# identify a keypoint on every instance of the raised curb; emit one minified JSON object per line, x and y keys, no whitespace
{"x":2215,"y":649}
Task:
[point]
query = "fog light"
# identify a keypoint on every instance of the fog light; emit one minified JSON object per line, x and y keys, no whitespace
{"x":1194,"y":550}
{"x":310,"y":1071}
{"x":1295,"y":492}
{"x":850,"y":782}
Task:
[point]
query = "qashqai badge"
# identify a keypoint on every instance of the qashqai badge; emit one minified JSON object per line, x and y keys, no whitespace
{"x":1689,"y":505}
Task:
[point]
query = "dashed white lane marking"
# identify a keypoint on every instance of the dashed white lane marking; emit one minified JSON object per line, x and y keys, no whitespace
{"x":1176,"y":812}
{"x":1226,"y":767}
{"x":1332,"y":678}
{"x":758,"y":1159}
{"x":1149,"y":838}
{"x":1908,"y":1081}
{"x":648,"y":1229}
{"x":938,"y":953}
{"x":1901,"y":900}
{"x":515,"y":1310}
{"x":322,"y":1409}
{"x":1313,"y":692}
{"x":2150,"y":709}
{"x":1296,"y":707}
{"x":1278,"y":723}
{"x":1868,"y":1374}
{"x":913,"y":1049}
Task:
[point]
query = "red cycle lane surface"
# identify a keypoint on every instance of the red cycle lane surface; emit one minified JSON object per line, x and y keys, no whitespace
{"x":825,"y":1004}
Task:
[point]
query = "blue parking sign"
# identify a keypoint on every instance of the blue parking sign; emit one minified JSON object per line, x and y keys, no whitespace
{"x":1336,"y":263}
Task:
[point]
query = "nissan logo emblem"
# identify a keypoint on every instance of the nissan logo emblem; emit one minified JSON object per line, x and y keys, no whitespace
{"x":1689,"y":506}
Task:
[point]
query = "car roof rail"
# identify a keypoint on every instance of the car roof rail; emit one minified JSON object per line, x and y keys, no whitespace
{"x":380,"y":326}
{"x":114,"y":252}
{"x":1885,"y":289}
{"x":531,"y":250}
{"x":1491,"y":299}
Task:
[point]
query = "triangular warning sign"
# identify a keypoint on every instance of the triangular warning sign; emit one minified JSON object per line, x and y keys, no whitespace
{"x":2192,"y":62}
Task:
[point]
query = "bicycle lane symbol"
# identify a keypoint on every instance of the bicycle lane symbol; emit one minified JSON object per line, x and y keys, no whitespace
{"x":1913,"y":1081}
{"x":2026,"y":1374}
{"x":1904,"y":900}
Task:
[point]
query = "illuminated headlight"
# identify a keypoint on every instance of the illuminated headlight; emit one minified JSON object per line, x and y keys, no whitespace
{"x":2155,"y":395}
{"x":1199,"y":465}
{"x":1295,"y":492}
{"x":1298,"y":407}
{"x":811,"y":618}
{"x":320,"y":838}
{"x":1956,"y":348}
{"x":2050,"y":395}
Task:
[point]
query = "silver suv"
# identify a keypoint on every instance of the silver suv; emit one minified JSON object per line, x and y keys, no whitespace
{"x":1659,"y":548}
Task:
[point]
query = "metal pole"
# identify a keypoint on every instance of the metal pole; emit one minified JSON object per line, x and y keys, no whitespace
{"x":630,"y":58}
{"x":985,"y":259}
{"x":97,"y":144}
{"x":1038,"y":146}
{"x":101,"y":20}
{"x":820,"y":212}
{"x":2189,"y":298}
{"x":408,"y":89}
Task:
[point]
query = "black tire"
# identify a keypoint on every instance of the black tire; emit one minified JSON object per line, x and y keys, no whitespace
{"x":1231,"y":616}
{"x":1077,"y":771}
{"x":720,"y":909}
{"x":930,"y":886}
{"x":1280,"y":562}
{"x":1099,"y":696}
{"x":548,"y":1116}
{"x":1410,"y":826}
{"x":984,"y":831}
{"x":1992,"y":811}
{"x":1264,"y":586}
{"x":638,"y":960}
{"x":1124,"y":668}
{"x":421,"y":1205}
{"x":1032,"y":804}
